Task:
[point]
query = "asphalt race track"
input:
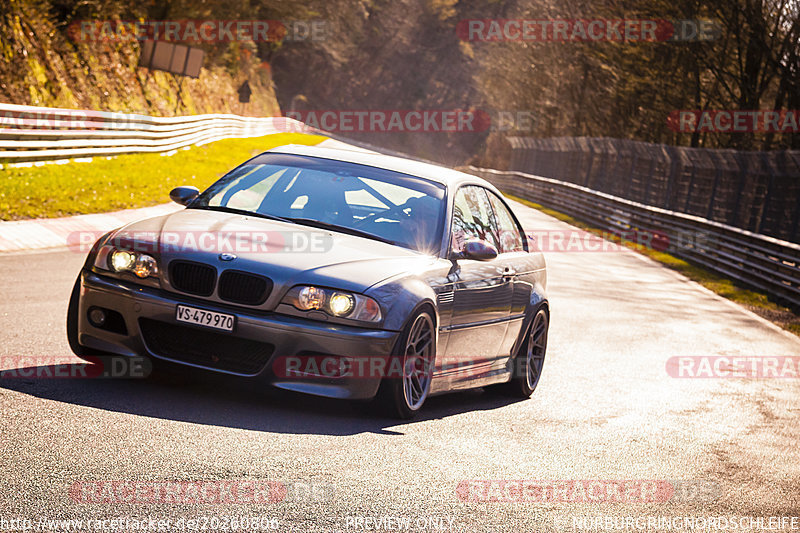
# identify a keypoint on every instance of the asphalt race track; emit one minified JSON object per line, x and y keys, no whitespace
{"x":605,"y":410}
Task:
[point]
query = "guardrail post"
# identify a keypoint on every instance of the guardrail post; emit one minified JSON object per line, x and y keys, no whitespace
{"x":607,"y":162}
{"x":796,"y":220}
{"x":689,"y":189}
{"x":770,"y":191}
{"x":649,"y":180}
{"x":713,"y":195}
{"x":672,"y":177}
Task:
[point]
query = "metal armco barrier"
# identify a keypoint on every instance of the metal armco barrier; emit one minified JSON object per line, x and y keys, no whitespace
{"x":765,"y":263}
{"x":30,"y":134}
{"x":755,"y":191}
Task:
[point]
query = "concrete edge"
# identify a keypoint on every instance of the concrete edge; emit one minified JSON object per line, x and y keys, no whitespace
{"x":51,"y":233}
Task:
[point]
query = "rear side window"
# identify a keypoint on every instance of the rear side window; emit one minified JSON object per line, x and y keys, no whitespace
{"x":508,"y":233}
{"x":472,"y":217}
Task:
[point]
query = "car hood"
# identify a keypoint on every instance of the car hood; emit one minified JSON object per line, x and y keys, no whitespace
{"x":287,"y":253}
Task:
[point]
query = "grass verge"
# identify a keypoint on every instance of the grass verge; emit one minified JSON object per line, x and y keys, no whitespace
{"x":125,"y":181}
{"x":755,"y":301}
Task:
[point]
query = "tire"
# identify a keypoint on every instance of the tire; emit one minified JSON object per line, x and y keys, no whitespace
{"x":83,"y":352}
{"x":529,"y":362}
{"x":402,"y":397}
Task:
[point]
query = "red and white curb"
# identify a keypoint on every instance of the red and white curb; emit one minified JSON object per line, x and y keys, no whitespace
{"x":39,"y":234}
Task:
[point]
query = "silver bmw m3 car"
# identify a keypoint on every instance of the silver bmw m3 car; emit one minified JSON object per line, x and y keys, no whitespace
{"x":331,"y":272}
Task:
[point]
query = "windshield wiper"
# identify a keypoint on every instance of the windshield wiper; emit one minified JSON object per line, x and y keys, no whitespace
{"x":342,"y":229}
{"x":241,"y":212}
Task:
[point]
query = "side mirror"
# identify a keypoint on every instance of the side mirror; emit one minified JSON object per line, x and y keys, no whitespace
{"x":184,"y":195}
{"x":478,"y":250}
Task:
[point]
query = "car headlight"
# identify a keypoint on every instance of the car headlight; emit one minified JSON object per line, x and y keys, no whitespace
{"x":310,"y":298}
{"x":117,"y":260}
{"x":121,"y":260}
{"x":145,"y":266}
{"x":339,"y":304}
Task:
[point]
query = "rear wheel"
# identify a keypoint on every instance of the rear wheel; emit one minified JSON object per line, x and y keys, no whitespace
{"x":404,"y":396}
{"x":529,"y":362}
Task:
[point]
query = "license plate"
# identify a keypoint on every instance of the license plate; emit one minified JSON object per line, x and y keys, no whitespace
{"x":202,"y":317}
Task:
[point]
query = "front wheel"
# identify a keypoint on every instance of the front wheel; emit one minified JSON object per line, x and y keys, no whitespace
{"x":403,"y":396}
{"x":72,"y":320}
{"x":72,"y":325}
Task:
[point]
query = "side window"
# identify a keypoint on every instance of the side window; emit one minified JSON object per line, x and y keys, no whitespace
{"x":507,"y":230}
{"x":472,"y":217}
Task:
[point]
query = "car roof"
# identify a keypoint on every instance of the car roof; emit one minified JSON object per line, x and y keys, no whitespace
{"x":443,"y":175}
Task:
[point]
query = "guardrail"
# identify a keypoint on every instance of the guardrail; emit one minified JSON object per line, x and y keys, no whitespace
{"x":31,"y":134}
{"x":765,"y":263}
{"x":754,"y":191}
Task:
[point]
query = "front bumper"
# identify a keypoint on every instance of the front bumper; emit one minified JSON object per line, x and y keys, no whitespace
{"x":291,"y":336}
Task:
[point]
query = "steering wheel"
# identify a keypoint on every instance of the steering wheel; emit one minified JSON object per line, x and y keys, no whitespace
{"x":399,"y":209}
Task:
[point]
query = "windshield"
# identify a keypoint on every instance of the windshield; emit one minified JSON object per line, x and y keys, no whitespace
{"x":356,"y":199}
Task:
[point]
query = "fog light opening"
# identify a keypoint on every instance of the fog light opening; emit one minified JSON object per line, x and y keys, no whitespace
{"x":97,"y":317}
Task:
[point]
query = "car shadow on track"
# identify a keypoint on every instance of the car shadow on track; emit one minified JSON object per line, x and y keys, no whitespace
{"x":229,"y":402}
